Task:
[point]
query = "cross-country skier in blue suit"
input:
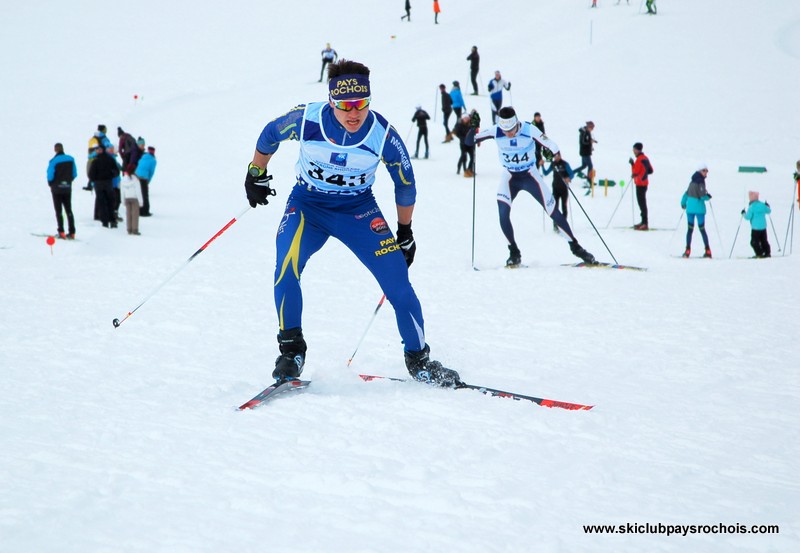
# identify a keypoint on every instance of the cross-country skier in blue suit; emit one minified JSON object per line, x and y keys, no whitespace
{"x":342,"y":143}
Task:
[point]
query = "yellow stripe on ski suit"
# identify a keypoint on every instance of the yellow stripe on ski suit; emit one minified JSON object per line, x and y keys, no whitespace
{"x":292,"y":256}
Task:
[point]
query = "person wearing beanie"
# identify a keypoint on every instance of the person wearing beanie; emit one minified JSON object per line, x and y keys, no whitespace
{"x":694,"y":202}
{"x":756,"y":213}
{"x":516,"y":143}
{"x":421,"y":118}
{"x":145,"y":171}
{"x":641,"y":169}
{"x":342,"y":144}
{"x":98,"y":138}
{"x":61,"y":171}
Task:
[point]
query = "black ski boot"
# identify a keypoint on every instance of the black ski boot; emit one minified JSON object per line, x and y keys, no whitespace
{"x":514,"y":257}
{"x":422,"y":368}
{"x":578,"y":251}
{"x":289,"y":363}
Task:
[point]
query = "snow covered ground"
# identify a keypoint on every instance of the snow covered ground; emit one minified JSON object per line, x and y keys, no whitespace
{"x":127,"y":440}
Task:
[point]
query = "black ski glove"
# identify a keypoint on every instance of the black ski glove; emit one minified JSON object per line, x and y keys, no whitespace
{"x":405,"y":239}
{"x":743,"y":212}
{"x":256,"y":186}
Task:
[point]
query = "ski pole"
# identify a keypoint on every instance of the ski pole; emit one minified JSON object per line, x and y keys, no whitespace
{"x":474,"y":164}
{"x":118,"y":322}
{"x":775,"y":232}
{"x":625,"y":191}
{"x":374,"y":313}
{"x":716,"y":226}
{"x":594,"y":227}
{"x":735,"y":236}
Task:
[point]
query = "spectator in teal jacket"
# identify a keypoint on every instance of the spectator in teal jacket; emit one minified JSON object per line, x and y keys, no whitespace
{"x":694,"y":202}
{"x":145,"y":170}
{"x":757,"y":213}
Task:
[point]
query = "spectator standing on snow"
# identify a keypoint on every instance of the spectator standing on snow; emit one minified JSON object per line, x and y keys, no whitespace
{"x":496,"y":87}
{"x":651,"y":7}
{"x":99,"y":137}
{"x":408,"y":12}
{"x":329,"y":55}
{"x":145,"y":171}
{"x":458,"y":99}
{"x":460,"y":131}
{"x":757,"y":213}
{"x":539,"y":124}
{"x":562,"y":176}
{"x":694,"y":202}
{"x":102,"y":172}
{"x":585,"y":148}
{"x":447,"y":109}
{"x":421,"y":118}
{"x":474,"y":60}
{"x":436,"y":11}
{"x":128,"y":151}
{"x":131,"y":189}
{"x":342,"y":143}
{"x":515,"y":147}
{"x":61,"y":171}
{"x":641,"y":169}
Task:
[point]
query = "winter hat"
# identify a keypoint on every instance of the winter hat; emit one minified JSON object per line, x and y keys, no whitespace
{"x":753,"y":196}
{"x":418,"y":107}
{"x":590,"y":124}
{"x":455,"y":84}
{"x":638,"y":147}
{"x":151,"y":149}
{"x":59,"y":147}
{"x":442,"y":87}
{"x":101,"y":128}
{"x":120,"y":132}
{"x":140,"y":141}
{"x":702,"y":167}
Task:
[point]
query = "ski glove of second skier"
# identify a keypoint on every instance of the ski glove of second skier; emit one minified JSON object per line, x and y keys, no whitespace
{"x":405,"y":240}
{"x":256,"y":186}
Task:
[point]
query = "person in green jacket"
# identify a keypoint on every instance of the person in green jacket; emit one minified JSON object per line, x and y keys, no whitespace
{"x":757,"y":213}
{"x":694,"y":202}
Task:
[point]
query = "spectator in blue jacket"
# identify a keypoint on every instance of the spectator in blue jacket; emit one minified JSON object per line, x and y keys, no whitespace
{"x":61,"y":171}
{"x":757,"y":213}
{"x":458,"y":99}
{"x":694,"y":202}
{"x":145,"y":170}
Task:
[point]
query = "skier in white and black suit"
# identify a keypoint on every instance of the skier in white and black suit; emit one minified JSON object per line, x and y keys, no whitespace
{"x":516,"y":145}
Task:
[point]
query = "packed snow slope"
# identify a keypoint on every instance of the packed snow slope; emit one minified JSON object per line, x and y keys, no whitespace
{"x":127,"y":440}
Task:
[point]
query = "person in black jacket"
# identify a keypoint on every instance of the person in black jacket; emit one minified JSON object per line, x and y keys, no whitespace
{"x":585,"y":148}
{"x":539,"y":124}
{"x":61,"y":171}
{"x":447,"y":109}
{"x":562,"y":176}
{"x":474,"y":66}
{"x":421,"y":118}
{"x":102,"y":172}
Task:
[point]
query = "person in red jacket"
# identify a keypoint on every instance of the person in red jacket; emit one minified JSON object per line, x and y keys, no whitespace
{"x":641,"y":169}
{"x":436,"y":11}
